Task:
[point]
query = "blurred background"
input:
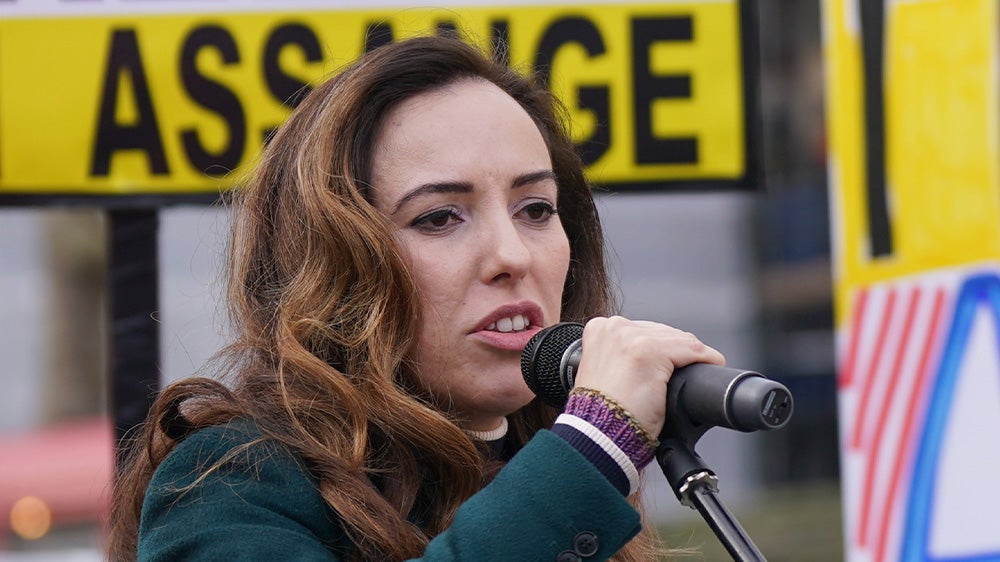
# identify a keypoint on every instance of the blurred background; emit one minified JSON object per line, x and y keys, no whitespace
{"x":749,"y":272}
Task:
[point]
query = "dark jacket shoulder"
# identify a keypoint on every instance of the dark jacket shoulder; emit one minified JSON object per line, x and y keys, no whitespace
{"x":228,"y":490}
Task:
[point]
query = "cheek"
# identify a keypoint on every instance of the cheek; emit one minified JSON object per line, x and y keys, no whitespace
{"x":436,"y":273}
{"x":557,"y":262}
{"x":437,"y":276}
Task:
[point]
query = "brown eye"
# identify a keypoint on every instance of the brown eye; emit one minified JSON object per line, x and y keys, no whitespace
{"x":539,"y":212}
{"x":436,"y":221}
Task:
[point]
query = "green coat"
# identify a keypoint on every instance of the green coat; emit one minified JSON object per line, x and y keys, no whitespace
{"x":264,"y":506}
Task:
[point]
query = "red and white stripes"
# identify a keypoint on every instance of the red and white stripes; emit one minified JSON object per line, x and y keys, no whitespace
{"x":890,"y":348}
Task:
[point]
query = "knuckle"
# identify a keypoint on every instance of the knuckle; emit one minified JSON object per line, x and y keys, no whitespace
{"x":693,"y":343}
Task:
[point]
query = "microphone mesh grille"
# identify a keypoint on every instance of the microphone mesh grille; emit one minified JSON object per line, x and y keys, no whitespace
{"x":541,"y":360}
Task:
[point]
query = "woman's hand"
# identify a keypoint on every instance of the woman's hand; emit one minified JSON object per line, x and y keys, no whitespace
{"x":631,"y":361}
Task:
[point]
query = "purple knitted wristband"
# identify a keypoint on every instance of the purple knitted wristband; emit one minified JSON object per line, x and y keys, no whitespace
{"x":614,"y":421}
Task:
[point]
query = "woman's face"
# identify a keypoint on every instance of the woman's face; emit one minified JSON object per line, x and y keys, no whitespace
{"x":464,"y":175}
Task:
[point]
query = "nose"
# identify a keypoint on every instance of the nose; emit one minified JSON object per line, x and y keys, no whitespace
{"x":506,"y":253}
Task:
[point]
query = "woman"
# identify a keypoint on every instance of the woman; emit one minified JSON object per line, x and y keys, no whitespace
{"x":416,"y":220}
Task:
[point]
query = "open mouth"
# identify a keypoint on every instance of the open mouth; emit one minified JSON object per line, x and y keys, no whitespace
{"x":516,"y":323}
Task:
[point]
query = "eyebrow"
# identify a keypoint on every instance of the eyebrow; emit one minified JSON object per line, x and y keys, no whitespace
{"x":466,"y":187}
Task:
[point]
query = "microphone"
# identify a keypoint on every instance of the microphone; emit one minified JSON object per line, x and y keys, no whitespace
{"x":699,"y":395}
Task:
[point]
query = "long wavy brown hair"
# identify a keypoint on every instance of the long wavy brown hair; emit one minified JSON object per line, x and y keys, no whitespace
{"x":325,"y":313}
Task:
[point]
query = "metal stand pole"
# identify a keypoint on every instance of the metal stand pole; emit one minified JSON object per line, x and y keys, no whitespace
{"x":696,"y":486}
{"x":701,"y":493}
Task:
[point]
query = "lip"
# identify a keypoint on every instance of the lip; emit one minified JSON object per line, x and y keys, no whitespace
{"x":510,"y":341}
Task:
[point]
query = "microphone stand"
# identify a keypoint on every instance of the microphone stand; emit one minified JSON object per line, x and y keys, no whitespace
{"x":696,"y":486}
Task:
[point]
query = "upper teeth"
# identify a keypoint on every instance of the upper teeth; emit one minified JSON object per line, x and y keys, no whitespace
{"x":515,"y":323}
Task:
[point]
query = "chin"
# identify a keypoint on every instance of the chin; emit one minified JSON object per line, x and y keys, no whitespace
{"x":501,"y":401}
{"x":517,"y":399}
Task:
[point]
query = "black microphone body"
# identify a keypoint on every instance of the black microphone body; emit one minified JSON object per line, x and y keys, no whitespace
{"x":700,"y":395}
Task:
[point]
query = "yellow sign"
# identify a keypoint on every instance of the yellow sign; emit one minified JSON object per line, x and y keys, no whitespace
{"x":154,"y":104}
{"x":915,"y":188}
{"x":937,"y":204}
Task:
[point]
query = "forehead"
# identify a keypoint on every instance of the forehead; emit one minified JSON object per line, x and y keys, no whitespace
{"x":467,"y":128}
{"x":473,"y":99}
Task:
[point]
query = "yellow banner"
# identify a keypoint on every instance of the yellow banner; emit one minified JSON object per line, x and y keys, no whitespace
{"x":940,"y":196}
{"x":915,"y":191}
{"x":181,"y":103}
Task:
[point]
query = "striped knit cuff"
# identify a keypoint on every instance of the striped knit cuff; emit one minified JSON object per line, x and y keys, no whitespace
{"x":600,"y":451}
{"x":614,"y":421}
